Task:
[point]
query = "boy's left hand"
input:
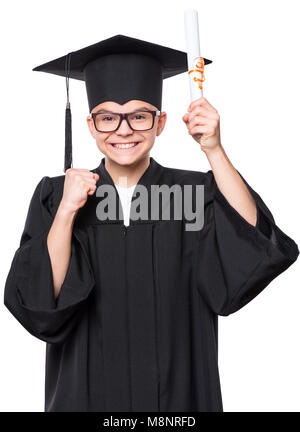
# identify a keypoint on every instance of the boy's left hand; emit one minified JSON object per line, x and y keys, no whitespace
{"x":203,"y":118}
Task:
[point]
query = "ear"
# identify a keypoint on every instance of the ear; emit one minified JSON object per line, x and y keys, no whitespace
{"x":91,"y":126}
{"x":161,"y":123}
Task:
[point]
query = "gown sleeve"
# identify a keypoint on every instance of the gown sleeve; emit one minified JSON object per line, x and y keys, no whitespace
{"x":29,"y":289}
{"x":235,"y":260}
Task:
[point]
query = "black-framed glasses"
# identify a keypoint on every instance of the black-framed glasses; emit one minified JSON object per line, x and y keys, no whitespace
{"x":140,"y":120}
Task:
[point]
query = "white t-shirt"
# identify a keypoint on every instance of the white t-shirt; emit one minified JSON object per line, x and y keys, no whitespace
{"x":125,"y":195}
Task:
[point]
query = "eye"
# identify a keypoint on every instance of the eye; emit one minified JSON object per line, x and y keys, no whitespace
{"x":107,"y":117}
{"x":139,"y":116}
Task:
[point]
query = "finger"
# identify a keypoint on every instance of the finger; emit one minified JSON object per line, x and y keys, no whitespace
{"x":72,"y":172}
{"x":197,"y":102}
{"x":88,"y":182}
{"x":198,"y":130}
{"x":209,"y":106}
{"x":77,"y":170}
{"x":201,"y":102}
{"x":82,"y":181}
{"x":185,"y":117}
{"x":86,"y":176}
{"x":198,"y":120}
{"x":206,"y":130}
{"x":91,"y":176}
{"x":189,"y":116}
{"x":203,"y":112}
{"x":92,"y":190}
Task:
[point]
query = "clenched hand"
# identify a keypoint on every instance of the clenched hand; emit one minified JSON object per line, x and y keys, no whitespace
{"x":79,"y":183}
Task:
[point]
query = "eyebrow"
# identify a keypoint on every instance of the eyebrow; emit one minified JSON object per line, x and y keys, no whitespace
{"x":137,"y":109}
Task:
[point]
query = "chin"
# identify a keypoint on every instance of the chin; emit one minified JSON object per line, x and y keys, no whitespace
{"x":124,"y":157}
{"x":126,"y":160}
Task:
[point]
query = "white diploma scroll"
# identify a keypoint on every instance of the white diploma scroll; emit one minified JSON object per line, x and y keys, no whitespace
{"x":195,"y":61}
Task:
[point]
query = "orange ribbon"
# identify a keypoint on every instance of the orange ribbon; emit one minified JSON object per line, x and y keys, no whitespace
{"x":199,"y":68}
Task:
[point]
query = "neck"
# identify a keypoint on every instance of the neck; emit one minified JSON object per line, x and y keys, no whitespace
{"x":132,"y":172}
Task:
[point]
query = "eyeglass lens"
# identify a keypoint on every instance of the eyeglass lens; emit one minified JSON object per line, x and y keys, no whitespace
{"x":140,"y":120}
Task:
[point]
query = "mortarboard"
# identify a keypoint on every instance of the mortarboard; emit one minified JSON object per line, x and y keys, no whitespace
{"x":117,"y":69}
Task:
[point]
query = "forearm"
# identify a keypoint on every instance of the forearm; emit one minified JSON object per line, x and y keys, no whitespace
{"x":231,"y":184}
{"x":59,"y":245}
{"x":202,"y":118}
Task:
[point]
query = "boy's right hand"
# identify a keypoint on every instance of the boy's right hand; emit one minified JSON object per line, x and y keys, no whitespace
{"x":79,"y":183}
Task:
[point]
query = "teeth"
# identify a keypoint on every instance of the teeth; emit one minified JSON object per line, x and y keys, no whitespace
{"x":123,"y":146}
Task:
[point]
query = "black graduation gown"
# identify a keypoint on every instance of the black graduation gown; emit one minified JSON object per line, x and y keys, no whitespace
{"x":135,"y":326}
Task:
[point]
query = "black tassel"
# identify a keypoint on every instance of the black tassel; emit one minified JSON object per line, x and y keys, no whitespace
{"x":68,"y":138}
{"x":68,"y":120}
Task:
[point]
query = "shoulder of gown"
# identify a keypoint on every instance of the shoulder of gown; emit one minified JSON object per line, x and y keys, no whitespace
{"x":237,"y":260}
{"x":29,"y":290}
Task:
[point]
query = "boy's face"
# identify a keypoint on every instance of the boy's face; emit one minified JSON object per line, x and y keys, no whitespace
{"x":124,"y":134}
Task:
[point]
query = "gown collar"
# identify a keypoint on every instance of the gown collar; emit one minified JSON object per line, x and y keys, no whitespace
{"x":148,"y":178}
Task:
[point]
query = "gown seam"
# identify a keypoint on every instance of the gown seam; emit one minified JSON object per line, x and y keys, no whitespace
{"x":156,"y":306}
{"x":128,"y":317}
{"x":104,"y":393}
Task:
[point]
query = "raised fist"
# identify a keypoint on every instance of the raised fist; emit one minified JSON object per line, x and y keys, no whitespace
{"x":79,"y":183}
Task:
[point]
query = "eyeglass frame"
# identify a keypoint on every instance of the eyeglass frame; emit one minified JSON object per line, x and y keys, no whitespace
{"x":125,"y":116}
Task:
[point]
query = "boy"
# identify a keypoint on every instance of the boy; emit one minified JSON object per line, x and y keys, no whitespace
{"x":129,"y":307}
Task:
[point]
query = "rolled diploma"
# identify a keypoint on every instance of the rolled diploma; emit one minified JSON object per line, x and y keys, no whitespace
{"x":193,"y":53}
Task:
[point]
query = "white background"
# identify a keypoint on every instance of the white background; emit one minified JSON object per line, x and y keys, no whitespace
{"x":253,"y":82}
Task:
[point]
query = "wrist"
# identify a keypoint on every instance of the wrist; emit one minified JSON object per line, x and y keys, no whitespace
{"x":66,"y":210}
{"x":215,"y":152}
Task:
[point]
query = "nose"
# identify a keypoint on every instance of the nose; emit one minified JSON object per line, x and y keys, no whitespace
{"x":124,"y":128}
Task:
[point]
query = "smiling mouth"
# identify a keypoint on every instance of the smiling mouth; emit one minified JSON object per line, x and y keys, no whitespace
{"x":124,"y":146}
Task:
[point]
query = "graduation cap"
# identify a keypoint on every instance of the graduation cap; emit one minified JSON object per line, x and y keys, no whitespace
{"x":117,"y":69}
